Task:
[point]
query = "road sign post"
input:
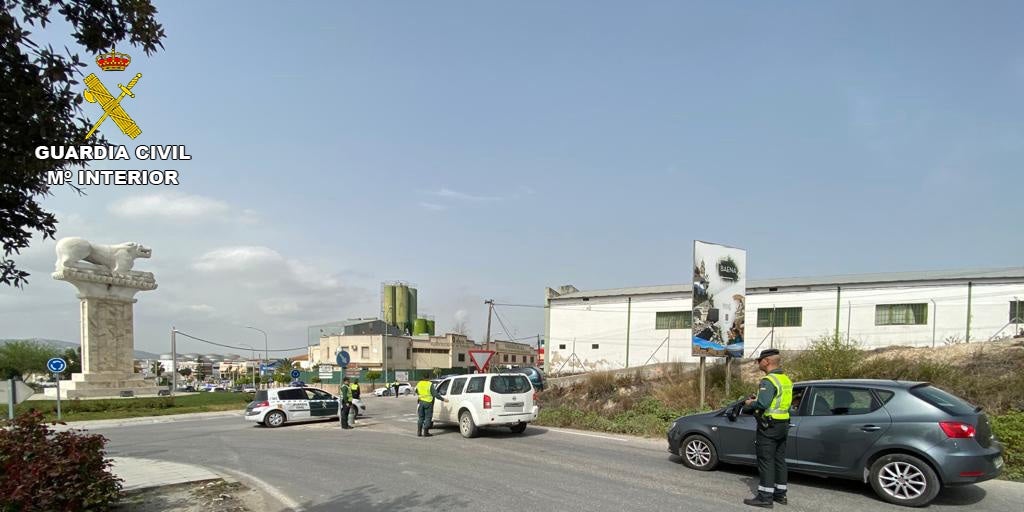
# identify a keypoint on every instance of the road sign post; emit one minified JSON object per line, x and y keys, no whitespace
{"x":14,"y":392}
{"x":57,"y":366}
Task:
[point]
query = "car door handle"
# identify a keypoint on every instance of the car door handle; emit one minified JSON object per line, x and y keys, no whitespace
{"x":871,"y":428}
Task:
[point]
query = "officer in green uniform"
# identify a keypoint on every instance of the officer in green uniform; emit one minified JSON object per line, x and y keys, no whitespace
{"x":771,"y":407}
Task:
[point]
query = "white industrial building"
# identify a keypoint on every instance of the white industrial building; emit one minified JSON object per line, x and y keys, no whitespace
{"x":596,"y":329}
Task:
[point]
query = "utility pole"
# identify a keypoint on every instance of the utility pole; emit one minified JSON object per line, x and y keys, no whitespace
{"x":838,"y":306}
{"x":629,"y":316}
{"x":970,"y":285}
{"x":935,"y":319}
{"x":174,"y":361}
{"x":490,"y":311}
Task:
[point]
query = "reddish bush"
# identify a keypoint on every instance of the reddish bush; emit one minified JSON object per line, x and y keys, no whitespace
{"x":45,"y":470}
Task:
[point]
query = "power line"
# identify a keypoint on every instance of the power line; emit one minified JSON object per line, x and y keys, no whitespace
{"x":185,"y":334}
{"x":502,"y":323}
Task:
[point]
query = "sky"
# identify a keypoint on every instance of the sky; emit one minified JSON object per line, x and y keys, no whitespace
{"x":487,"y":150}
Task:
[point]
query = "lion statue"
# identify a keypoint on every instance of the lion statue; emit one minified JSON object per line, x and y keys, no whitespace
{"x":119,"y":259}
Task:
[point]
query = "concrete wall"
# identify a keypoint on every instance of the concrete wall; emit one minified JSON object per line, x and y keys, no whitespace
{"x":576,"y":326}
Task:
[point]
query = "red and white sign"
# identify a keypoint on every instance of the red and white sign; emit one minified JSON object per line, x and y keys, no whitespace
{"x":480,"y":358}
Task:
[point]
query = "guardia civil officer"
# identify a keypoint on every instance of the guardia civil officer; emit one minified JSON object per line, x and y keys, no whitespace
{"x":426,"y":393}
{"x":771,"y":407}
{"x":344,"y":402}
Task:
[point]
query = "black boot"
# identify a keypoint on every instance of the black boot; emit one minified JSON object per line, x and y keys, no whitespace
{"x":426,"y":433}
{"x":780,"y":499}
{"x":759,"y":501}
{"x":419,"y":432}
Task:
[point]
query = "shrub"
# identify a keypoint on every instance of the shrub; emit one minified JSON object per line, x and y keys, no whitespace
{"x":1009,"y":428}
{"x":44,"y":470}
{"x":827,"y":358}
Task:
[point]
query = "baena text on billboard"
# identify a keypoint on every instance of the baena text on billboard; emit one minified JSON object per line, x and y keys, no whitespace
{"x":719,"y":297}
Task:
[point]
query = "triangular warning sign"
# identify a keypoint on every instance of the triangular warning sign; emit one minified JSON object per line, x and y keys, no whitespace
{"x":480,"y":358}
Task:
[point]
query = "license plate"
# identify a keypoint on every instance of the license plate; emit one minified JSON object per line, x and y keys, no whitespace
{"x":999,"y":462}
{"x":517,"y":406}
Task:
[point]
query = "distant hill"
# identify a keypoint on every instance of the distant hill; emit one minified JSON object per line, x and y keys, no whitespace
{"x":60,"y":344}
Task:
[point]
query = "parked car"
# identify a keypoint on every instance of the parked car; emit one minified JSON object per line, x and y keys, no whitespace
{"x":403,"y":389}
{"x":275,"y":407}
{"x":536,"y":375}
{"x":187,"y":389}
{"x":248,"y":389}
{"x":486,"y":400}
{"x":907,"y":439}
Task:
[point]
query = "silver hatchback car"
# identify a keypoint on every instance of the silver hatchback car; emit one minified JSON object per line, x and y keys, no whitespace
{"x":908,"y":439}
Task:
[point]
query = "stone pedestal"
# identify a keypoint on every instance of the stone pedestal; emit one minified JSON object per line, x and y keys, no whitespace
{"x":108,"y":339}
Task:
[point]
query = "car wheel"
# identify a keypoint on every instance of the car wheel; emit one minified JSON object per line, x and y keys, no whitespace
{"x":698,"y":453}
{"x":904,"y":480}
{"x":274,"y":419}
{"x":466,"y":425}
{"x":518,"y":429}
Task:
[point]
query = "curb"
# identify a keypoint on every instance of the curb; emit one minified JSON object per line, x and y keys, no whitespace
{"x":148,"y":420}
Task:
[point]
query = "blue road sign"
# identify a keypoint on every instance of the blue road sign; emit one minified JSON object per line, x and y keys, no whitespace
{"x":343,"y":359}
{"x":296,"y":374}
{"x":56,"y":365}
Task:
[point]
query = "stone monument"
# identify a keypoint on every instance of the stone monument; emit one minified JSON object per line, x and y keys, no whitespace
{"x":106,"y":287}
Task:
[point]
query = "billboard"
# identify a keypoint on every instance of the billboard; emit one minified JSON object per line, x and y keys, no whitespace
{"x":719,"y":299}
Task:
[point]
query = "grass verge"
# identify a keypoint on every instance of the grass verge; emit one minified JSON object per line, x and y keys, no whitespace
{"x":119,"y":408}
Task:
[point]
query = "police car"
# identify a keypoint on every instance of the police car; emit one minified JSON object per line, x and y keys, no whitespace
{"x":275,"y":407}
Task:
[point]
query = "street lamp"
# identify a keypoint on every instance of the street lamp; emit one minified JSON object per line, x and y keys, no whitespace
{"x":266,"y":346}
{"x":253,"y":360}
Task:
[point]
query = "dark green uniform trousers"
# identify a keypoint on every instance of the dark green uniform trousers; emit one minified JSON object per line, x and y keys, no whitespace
{"x":770,"y":443}
{"x":424,"y":415}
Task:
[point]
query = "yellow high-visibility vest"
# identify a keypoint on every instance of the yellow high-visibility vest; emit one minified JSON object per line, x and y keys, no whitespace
{"x":423,"y":391}
{"x":779,"y":408}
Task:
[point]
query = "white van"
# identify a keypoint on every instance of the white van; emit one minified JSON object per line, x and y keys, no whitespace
{"x":486,"y":400}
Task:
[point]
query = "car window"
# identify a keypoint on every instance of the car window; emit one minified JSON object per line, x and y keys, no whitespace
{"x":457,"y":386}
{"x":509,"y":384}
{"x":798,"y":397}
{"x":943,"y":400}
{"x":442,"y":388}
{"x":884,"y":395}
{"x":838,"y":401}
{"x":310,"y":395}
{"x":261,"y":396}
{"x":321,"y":395}
{"x":476,"y":385}
{"x":291,"y":394}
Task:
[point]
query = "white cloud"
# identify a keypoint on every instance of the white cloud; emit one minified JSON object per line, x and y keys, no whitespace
{"x":171,"y":206}
{"x":433,"y":207}
{"x":238,"y":259}
{"x":454,"y":194}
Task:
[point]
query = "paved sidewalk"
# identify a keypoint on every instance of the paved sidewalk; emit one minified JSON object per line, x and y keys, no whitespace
{"x":145,"y":473}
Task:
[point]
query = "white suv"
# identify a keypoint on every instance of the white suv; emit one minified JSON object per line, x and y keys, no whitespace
{"x":486,"y":400}
{"x":275,"y":407}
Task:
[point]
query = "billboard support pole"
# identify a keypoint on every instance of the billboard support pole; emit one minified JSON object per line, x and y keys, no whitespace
{"x":728,"y":375}
{"x":838,"y":305}
{"x":703,"y":367}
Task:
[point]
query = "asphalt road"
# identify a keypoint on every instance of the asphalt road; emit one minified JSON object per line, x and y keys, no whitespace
{"x":382,"y":465}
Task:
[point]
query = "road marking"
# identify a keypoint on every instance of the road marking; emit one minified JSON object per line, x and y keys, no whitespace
{"x":276,"y":493}
{"x":560,"y":431}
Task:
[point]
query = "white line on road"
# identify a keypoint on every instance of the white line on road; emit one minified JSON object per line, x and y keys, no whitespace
{"x":276,"y":493}
{"x":560,"y":431}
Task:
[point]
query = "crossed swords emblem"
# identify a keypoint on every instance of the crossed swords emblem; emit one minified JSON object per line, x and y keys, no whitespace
{"x":98,"y":93}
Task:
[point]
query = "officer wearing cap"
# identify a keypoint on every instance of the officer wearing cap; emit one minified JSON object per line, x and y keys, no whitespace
{"x":771,"y":406}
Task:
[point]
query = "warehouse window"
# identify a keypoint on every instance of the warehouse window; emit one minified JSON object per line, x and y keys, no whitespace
{"x":408,"y":353}
{"x":1017,"y":311}
{"x":561,"y":347}
{"x":594,"y":346}
{"x":365,"y":353}
{"x":673,"y":320}
{"x":901,"y":314}
{"x":462,"y":358}
{"x":784,"y":317}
